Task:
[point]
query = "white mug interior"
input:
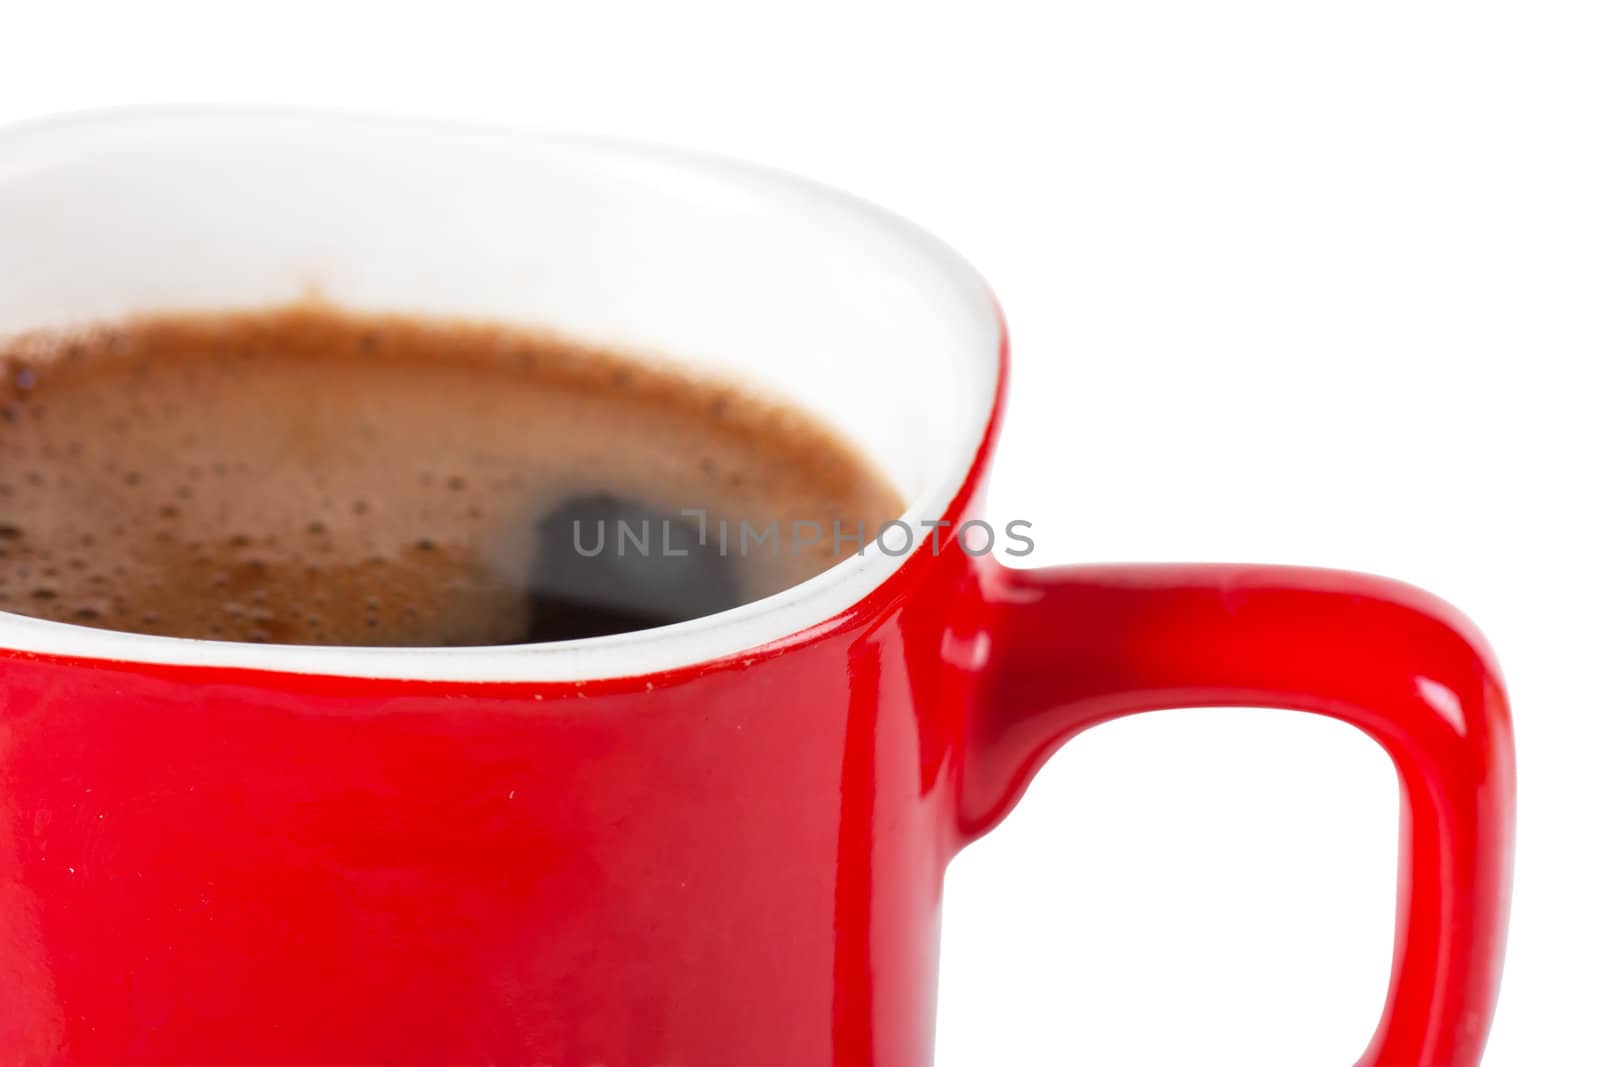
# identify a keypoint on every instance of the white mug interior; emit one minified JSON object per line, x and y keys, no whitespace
{"x":794,"y":289}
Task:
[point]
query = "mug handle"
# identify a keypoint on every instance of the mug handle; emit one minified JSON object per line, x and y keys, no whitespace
{"x":1073,"y":647}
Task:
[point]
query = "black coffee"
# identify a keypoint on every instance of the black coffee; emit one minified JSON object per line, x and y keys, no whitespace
{"x":315,"y":476}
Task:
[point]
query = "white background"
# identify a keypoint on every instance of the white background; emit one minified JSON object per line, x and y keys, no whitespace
{"x":1298,"y":282}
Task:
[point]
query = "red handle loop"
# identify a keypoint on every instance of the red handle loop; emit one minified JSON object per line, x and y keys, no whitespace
{"x":1079,"y":646}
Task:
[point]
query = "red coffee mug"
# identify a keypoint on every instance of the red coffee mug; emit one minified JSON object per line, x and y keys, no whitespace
{"x":716,"y":844}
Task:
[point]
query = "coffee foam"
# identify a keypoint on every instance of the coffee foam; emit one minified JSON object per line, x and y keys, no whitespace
{"x":316,"y":476}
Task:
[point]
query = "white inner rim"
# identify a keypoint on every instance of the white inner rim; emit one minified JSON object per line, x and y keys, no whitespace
{"x":800,"y":290}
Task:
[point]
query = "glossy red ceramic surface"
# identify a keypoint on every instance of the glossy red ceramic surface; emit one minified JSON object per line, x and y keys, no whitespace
{"x":1082,"y":645}
{"x":736,"y":864}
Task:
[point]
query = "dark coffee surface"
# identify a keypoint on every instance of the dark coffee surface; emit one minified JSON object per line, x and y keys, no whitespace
{"x":314,"y":476}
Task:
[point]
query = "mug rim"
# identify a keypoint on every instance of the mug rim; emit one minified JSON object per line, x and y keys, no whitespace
{"x":804,"y":611}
